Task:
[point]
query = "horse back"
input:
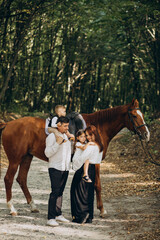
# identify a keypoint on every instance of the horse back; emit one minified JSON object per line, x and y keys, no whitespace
{"x":24,"y":136}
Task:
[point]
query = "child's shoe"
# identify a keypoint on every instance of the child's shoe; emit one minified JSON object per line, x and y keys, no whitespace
{"x":87,"y":179}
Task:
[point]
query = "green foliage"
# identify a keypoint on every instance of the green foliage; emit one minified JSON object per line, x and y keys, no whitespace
{"x":87,"y":55}
{"x":147,"y":117}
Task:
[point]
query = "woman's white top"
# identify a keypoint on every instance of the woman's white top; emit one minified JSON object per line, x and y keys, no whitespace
{"x":91,"y":153}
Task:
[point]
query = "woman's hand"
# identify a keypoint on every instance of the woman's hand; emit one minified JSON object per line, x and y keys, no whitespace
{"x":91,"y":143}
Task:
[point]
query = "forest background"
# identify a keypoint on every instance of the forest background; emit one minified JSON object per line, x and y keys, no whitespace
{"x":86,"y":55}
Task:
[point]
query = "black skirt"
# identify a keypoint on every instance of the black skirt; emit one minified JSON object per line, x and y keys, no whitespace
{"x":82,"y":195}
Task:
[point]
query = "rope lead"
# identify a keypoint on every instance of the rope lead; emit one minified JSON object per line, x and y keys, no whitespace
{"x":148,"y":154}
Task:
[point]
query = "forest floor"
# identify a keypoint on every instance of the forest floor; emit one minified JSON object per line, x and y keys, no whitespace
{"x":130,"y":193}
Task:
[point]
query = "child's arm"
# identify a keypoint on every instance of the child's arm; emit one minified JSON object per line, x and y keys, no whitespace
{"x":56,"y":132}
{"x":84,"y":147}
{"x":53,"y":130}
{"x":81,"y":147}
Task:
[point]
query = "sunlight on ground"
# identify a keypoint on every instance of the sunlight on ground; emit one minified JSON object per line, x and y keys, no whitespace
{"x":61,"y":230}
{"x":122,"y":175}
{"x":26,"y":217}
{"x":145,"y":183}
{"x":109,"y":167}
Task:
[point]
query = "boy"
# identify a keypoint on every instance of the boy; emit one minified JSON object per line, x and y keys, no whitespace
{"x":60,"y":111}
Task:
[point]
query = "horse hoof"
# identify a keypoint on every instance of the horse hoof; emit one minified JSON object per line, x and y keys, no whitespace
{"x":35,"y":211}
{"x":14,"y":214}
{"x":33,"y":207}
{"x":103,"y":213}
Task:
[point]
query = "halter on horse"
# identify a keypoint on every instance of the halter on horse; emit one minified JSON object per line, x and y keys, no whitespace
{"x":137,"y":127}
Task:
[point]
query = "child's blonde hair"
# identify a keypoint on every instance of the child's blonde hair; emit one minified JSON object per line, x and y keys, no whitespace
{"x":57,"y":107}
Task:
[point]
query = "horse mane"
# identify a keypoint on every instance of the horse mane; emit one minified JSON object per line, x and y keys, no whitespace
{"x":108,"y":114}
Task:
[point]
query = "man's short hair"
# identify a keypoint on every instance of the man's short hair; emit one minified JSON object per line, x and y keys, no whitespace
{"x":63,"y":120}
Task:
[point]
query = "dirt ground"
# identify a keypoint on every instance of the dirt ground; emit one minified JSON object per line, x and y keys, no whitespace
{"x":130,"y":192}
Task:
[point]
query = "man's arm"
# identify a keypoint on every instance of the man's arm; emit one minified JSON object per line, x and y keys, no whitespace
{"x":52,"y":145}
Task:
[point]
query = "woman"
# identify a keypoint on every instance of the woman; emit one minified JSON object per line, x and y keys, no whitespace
{"x":82,"y":192}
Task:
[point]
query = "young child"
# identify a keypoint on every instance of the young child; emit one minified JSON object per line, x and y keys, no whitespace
{"x":81,"y":145}
{"x":60,"y":111}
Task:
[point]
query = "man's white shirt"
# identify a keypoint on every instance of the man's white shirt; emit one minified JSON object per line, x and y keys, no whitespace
{"x":59,"y":155}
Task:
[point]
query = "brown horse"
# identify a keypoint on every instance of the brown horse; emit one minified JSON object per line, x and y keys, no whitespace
{"x":25,"y":137}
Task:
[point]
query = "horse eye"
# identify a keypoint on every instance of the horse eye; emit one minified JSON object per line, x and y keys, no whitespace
{"x":134,"y":116}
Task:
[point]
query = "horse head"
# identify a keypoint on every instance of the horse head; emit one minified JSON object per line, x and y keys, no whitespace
{"x":135,"y":121}
{"x":76,"y":122}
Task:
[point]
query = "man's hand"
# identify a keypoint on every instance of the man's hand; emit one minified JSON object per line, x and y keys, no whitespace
{"x":60,"y":140}
{"x":70,"y":136}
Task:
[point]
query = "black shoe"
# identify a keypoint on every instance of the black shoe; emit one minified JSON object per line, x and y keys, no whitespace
{"x":89,"y":220}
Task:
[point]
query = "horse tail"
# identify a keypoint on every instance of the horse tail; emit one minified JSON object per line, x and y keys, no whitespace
{"x":2,"y":127}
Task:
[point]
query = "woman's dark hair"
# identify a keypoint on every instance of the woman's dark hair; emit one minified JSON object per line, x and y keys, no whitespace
{"x":79,"y":133}
{"x":92,"y":130}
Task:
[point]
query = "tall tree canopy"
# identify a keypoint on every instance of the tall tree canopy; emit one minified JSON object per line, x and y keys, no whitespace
{"x":87,"y":55}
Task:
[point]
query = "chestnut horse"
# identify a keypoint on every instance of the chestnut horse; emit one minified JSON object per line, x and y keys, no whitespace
{"x":25,"y":137}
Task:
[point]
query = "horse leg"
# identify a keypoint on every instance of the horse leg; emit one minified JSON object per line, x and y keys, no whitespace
{"x":22,"y":180}
{"x":98,"y":190}
{"x":8,"y":179}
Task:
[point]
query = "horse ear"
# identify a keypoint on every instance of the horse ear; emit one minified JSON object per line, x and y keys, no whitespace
{"x":135,"y":103}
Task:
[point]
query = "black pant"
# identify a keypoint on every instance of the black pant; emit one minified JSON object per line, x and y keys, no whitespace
{"x":58,"y":181}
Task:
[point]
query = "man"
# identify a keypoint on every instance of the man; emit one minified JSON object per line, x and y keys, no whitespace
{"x":58,"y":150}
